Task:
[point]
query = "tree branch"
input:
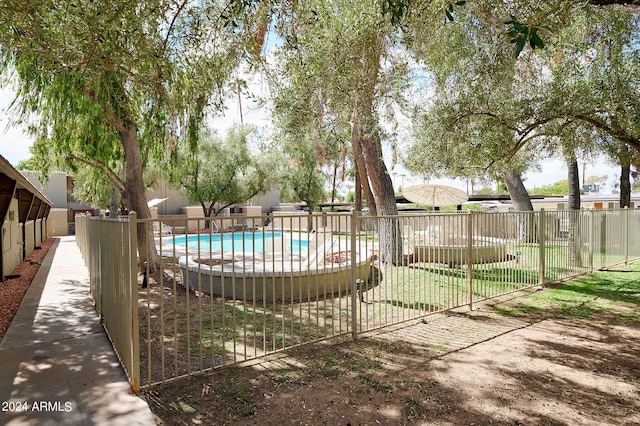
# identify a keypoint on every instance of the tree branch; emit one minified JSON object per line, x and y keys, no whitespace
{"x":611,"y":2}
{"x":618,"y":134}
{"x":173,"y":21}
{"x":525,"y":136}
{"x":500,"y":120}
{"x":111,"y":175}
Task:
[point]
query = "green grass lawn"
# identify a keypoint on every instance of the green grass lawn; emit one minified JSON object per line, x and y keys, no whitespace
{"x":225,"y":331}
{"x":615,"y":292}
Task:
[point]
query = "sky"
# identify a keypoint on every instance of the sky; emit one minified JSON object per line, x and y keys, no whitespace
{"x":552,"y":170}
{"x":15,"y":143}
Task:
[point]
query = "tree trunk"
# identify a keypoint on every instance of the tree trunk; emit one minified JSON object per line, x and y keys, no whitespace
{"x":207,"y":212}
{"x":333,"y":185}
{"x":527,"y":231}
{"x":517,"y":192}
{"x":365,"y":132}
{"x":574,"y":184}
{"x":361,"y":169}
{"x":575,"y":252}
{"x":136,"y":193}
{"x":625,"y":186}
{"x":358,"y":192}
{"x":310,"y":220}
{"x":390,"y":243}
{"x":373,"y":210}
{"x":381,"y":184}
{"x":114,"y":206}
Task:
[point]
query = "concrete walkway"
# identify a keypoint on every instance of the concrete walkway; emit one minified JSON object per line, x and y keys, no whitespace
{"x":57,"y":366}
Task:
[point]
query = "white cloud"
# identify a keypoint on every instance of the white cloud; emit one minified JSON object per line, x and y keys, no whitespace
{"x":14,"y":142}
{"x":253,"y":111}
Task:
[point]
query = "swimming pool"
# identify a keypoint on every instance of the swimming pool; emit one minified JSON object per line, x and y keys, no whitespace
{"x":239,"y":241}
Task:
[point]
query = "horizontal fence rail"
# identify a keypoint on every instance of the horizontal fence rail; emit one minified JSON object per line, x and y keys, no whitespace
{"x":226,"y":290}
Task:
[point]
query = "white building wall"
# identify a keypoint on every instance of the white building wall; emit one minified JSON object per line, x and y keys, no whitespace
{"x":55,"y":189}
{"x":57,"y":222}
{"x":11,"y":239}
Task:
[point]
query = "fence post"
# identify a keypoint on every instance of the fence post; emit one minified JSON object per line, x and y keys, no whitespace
{"x":354,"y":290}
{"x":541,"y":246}
{"x":133,"y":307}
{"x":98,"y":271}
{"x":592,"y":231}
{"x":470,"y":260}
{"x":626,"y":235}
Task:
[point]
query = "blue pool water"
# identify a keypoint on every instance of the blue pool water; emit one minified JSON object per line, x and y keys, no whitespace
{"x":237,"y":242}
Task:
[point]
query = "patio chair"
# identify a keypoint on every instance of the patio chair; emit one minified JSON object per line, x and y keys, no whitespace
{"x":409,"y":242}
{"x":160,"y":228}
{"x":319,"y":253}
{"x":276,"y":248}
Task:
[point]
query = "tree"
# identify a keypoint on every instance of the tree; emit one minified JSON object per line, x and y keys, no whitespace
{"x":478,"y":105}
{"x":627,"y":157}
{"x":115,"y":81}
{"x":526,"y":24}
{"x":574,"y":248}
{"x":586,"y":89}
{"x":522,"y":202}
{"x":602,"y":92}
{"x":223,"y":172}
{"x":519,"y":195}
{"x":92,"y":188}
{"x":560,"y":187}
{"x":300,"y":176}
{"x":332,"y":77}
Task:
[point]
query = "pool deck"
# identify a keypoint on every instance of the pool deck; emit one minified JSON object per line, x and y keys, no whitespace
{"x":277,"y":259}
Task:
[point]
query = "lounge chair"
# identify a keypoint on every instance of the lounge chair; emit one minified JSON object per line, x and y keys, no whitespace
{"x":319,"y":255}
{"x":276,"y":248}
{"x":160,"y":228}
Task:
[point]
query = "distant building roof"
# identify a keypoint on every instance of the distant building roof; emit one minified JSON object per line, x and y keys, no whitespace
{"x":21,"y":181}
{"x":591,"y":197}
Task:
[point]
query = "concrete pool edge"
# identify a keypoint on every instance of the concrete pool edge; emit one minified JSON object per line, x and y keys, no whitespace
{"x":289,"y":281}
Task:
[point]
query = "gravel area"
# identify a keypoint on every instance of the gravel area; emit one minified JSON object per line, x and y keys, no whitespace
{"x":13,"y":290}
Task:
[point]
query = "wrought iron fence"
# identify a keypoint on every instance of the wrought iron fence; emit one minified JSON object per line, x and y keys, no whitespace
{"x":222,"y":293}
{"x":109,"y":250}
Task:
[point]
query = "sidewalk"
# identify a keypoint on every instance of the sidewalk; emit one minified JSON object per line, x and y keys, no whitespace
{"x":57,"y":366}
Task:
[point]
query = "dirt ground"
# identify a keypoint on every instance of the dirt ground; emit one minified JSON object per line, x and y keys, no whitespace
{"x":13,"y":289}
{"x":462,"y":368}
{"x":543,"y":367}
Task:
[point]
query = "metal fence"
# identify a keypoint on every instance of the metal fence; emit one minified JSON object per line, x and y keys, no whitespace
{"x":222,"y":295}
{"x":109,"y":250}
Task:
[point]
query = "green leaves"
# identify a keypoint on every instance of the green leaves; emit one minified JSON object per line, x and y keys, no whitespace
{"x":398,"y":9}
{"x":448,"y":12}
{"x":520,"y":34}
{"x":220,"y":170}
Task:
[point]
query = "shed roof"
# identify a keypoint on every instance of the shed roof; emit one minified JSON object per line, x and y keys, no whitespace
{"x":33,"y":204}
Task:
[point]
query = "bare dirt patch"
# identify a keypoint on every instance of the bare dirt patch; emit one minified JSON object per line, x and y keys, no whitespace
{"x":13,"y":290}
{"x":185,"y":331}
{"x":476,"y":367}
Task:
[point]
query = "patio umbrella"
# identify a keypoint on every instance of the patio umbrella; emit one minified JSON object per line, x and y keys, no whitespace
{"x":155,"y":202}
{"x":435,"y":195}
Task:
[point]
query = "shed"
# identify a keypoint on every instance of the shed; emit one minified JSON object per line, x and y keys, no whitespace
{"x":23,"y":214}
